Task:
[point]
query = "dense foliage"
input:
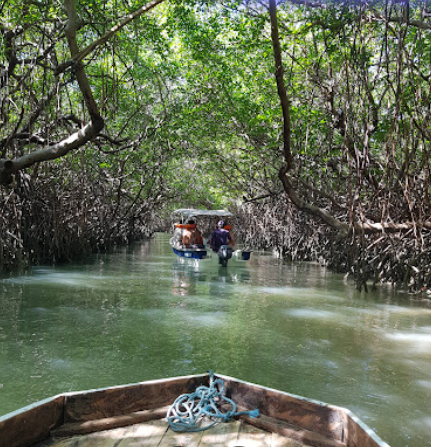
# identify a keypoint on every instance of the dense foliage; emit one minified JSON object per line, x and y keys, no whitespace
{"x":183,"y":106}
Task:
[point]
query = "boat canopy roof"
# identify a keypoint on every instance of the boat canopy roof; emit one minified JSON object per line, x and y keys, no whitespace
{"x":191,"y":212}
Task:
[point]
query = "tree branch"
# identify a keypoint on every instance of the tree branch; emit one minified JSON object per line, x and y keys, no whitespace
{"x":97,"y":43}
{"x":78,"y":139}
{"x":342,"y":227}
{"x":279,"y":76}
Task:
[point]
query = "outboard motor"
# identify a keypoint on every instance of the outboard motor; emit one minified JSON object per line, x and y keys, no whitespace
{"x":224,"y":254}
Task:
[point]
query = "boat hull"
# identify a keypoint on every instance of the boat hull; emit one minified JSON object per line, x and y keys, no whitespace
{"x":206,"y":254}
{"x":190,"y":253}
{"x":307,"y":421}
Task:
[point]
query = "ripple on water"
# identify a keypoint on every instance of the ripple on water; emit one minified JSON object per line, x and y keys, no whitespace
{"x":60,"y":363}
{"x":420,"y":341}
{"x":424,"y":383}
{"x":312,"y":295}
{"x":402,"y":310}
{"x":39,"y":310}
{"x":308,"y":313}
{"x":207,"y":320}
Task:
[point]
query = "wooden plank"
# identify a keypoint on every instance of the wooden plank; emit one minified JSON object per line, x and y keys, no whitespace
{"x":79,"y":428}
{"x":281,"y":441}
{"x":108,"y":438}
{"x":146,"y":435}
{"x":53,"y":443}
{"x":108,"y":402}
{"x":31,"y":424}
{"x":156,"y":434}
{"x":306,"y":437}
{"x":78,"y":441}
{"x":326,"y":420}
{"x":251,"y":436}
{"x":140,"y":435}
{"x":175,"y":439}
{"x":89,"y":441}
{"x":360,"y":435}
{"x":221,"y":435}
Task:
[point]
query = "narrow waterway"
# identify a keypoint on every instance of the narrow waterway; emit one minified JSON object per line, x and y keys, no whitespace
{"x":140,"y":314}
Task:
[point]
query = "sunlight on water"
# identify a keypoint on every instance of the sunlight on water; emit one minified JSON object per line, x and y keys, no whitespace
{"x":140,"y":314}
{"x":77,"y":280}
{"x":409,"y":311}
{"x":312,"y":313}
{"x":412,"y":341}
{"x":424,"y":383}
{"x":208,"y":321}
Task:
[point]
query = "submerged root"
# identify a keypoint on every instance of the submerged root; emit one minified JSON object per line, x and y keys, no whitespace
{"x":44,"y":222}
{"x":402,"y":259}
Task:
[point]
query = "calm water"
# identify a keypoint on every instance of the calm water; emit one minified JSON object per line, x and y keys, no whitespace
{"x":139,"y":314}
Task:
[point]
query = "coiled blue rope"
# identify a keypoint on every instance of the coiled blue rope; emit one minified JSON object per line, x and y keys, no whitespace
{"x":188,"y":411}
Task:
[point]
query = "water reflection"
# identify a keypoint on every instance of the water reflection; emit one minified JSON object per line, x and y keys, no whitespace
{"x":191,"y":276}
{"x":140,"y":314}
{"x":185,"y":276}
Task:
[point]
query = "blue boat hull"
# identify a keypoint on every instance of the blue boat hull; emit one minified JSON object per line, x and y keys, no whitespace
{"x":190,"y":254}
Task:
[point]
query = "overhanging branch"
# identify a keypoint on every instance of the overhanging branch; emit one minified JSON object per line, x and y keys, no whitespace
{"x":99,"y":42}
{"x":74,"y":141}
{"x":343,"y":228}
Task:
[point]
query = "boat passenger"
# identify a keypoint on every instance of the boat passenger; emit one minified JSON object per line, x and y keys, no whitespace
{"x":228,"y":227}
{"x":178,"y":236}
{"x":220,"y":237}
{"x":192,"y":235}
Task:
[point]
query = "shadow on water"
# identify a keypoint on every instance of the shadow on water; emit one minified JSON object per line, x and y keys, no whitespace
{"x":140,"y":314}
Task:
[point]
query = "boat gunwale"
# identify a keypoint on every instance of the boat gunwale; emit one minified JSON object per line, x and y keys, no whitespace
{"x":94,"y":390}
{"x":354,"y":432}
{"x":350,"y":416}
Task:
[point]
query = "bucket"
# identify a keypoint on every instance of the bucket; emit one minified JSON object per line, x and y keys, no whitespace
{"x":245,"y":255}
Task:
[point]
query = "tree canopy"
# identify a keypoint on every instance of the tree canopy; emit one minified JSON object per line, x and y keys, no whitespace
{"x":314,"y":114}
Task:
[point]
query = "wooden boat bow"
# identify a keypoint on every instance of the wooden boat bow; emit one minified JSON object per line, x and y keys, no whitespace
{"x":308,"y":422}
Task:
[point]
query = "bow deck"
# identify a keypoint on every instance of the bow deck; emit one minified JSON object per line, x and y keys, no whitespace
{"x":157,"y":434}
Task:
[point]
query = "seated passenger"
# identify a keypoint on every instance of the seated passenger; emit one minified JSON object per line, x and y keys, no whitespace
{"x":228,"y":227}
{"x":191,"y":235}
{"x":220,"y":237}
{"x":197,"y":238}
{"x":178,"y":236}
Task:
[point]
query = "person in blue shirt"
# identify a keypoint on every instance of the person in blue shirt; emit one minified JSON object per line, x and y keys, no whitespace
{"x":220,"y":237}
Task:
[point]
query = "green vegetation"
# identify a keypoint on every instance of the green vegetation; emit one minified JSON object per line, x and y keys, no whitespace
{"x":105,"y":130}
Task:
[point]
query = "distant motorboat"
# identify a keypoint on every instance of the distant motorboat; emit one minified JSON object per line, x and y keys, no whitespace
{"x":207,"y":221}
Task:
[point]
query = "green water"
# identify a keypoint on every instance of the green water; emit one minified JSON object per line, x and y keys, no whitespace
{"x":140,"y":314}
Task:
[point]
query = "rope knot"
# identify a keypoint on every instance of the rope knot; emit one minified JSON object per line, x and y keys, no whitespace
{"x":188,"y":411}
